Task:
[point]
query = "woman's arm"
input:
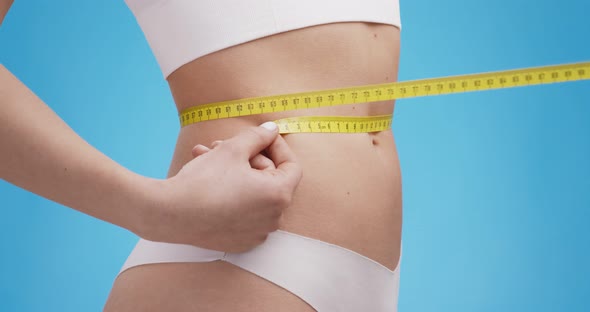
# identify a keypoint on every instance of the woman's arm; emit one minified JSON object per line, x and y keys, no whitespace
{"x":220,"y":200}
{"x":194,"y":207}
{"x":48,"y":158}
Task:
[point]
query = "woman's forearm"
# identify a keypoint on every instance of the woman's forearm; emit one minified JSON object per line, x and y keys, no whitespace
{"x":48,"y":158}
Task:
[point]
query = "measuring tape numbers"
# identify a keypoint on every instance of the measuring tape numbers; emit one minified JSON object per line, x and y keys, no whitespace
{"x":373,"y":93}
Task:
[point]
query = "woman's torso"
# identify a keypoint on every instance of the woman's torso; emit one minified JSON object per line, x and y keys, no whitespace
{"x":350,"y":194}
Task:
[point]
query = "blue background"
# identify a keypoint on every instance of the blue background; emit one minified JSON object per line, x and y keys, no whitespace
{"x":496,"y":184}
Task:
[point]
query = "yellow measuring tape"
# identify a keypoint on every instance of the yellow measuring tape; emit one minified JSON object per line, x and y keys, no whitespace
{"x":373,"y":93}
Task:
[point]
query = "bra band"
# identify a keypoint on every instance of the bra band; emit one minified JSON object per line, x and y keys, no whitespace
{"x":180,"y":31}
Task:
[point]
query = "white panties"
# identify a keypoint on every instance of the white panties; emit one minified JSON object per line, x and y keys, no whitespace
{"x":326,"y":276}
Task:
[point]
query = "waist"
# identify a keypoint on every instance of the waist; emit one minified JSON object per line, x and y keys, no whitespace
{"x":350,"y":181}
{"x":322,"y":151}
{"x":327,"y":56}
{"x":321,"y":57}
{"x":350,"y":194}
{"x":343,"y":173}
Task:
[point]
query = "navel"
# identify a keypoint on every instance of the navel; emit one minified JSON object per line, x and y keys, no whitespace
{"x":375,"y":142}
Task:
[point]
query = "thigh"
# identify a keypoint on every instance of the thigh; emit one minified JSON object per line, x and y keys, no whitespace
{"x":204,"y":286}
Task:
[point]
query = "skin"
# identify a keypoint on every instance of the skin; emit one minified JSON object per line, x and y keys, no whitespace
{"x":51,"y":160}
{"x":4,"y":6}
{"x":350,"y":194}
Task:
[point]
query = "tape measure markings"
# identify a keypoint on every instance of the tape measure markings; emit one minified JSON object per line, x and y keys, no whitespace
{"x":387,"y":91}
{"x":334,"y":124}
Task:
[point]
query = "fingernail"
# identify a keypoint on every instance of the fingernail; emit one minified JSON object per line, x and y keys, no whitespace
{"x":269,"y":125}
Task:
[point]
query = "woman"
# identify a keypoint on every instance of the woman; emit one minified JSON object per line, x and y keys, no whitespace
{"x":344,"y":222}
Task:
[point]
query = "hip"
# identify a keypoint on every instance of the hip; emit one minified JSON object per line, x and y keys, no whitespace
{"x":350,"y":196}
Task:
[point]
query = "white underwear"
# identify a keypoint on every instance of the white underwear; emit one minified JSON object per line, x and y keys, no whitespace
{"x":326,"y":276}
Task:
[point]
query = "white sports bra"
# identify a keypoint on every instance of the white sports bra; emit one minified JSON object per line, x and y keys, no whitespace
{"x":180,"y":31}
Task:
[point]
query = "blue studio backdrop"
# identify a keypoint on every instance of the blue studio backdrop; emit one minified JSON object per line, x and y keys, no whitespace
{"x":496,"y":184}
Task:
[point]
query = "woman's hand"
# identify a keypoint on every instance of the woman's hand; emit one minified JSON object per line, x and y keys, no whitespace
{"x":228,"y":198}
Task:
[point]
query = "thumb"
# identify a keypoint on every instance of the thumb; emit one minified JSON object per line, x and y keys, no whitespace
{"x":252,"y":141}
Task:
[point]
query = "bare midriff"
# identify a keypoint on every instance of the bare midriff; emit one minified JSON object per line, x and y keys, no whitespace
{"x":350,"y":193}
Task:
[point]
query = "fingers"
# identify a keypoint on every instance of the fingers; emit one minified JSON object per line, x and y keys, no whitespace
{"x":280,"y":152}
{"x":261,"y":162}
{"x":252,"y":141}
{"x":199,"y":150}
{"x":285,"y":161}
{"x":216,"y":143}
